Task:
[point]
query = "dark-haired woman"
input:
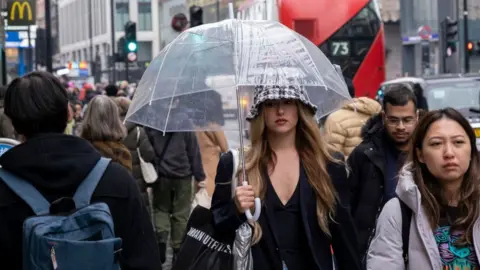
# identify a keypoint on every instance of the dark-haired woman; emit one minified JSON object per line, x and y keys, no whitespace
{"x":440,"y":186}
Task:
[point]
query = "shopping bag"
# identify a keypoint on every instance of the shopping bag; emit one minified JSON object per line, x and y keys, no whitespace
{"x":201,"y":248}
{"x":201,"y":197}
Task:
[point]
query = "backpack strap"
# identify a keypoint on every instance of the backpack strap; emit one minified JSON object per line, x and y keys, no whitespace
{"x":84,"y":192}
{"x":27,"y":192}
{"x":406,"y":220}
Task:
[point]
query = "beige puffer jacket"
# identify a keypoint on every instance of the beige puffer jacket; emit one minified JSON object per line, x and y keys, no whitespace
{"x":342,"y":129}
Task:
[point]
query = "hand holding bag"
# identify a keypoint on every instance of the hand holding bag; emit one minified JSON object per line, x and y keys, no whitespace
{"x":202,"y":249}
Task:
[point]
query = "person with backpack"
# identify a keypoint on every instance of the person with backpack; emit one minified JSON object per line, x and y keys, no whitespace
{"x":63,"y":206}
{"x":435,"y":221}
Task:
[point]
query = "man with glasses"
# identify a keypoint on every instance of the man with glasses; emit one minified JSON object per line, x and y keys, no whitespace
{"x":375,"y":163}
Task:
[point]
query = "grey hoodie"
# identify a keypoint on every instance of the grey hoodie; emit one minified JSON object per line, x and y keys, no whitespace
{"x":386,"y":249}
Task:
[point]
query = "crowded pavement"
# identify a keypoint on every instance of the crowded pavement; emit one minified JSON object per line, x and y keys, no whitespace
{"x":244,"y":144}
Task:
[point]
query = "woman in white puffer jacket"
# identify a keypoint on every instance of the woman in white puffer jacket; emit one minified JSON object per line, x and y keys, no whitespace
{"x":441,"y":188}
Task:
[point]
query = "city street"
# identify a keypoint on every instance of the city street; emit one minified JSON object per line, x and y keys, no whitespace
{"x":232,"y":135}
{"x":83,"y":79}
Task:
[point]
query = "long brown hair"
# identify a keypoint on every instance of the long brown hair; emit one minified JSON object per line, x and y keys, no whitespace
{"x":430,"y":189}
{"x":313,"y":152}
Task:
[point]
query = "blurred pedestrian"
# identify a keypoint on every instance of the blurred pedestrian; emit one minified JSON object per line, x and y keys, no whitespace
{"x":136,"y":139}
{"x":111,"y":90}
{"x":6,"y":127}
{"x":343,"y":128}
{"x":70,"y":121}
{"x":104,"y":129}
{"x":178,"y":160}
{"x":212,"y":142}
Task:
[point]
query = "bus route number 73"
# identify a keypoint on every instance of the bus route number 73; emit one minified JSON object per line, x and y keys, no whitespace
{"x":340,"y":48}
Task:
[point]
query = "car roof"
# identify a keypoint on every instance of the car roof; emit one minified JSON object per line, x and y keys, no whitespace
{"x":405,"y":80}
{"x":409,"y":80}
{"x":435,"y":79}
{"x":452,"y":79}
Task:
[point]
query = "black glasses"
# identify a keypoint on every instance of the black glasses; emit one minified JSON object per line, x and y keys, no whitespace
{"x":395,"y":121}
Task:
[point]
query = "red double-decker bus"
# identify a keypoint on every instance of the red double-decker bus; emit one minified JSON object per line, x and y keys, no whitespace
{"x":349,"y":32}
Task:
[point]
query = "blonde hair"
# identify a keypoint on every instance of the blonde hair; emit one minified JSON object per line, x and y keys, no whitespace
{"x":314,"y":154}
{"x":123,"y":103}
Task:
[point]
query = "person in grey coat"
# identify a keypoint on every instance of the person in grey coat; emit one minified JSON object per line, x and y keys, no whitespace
{"x":136,"y":138}
{"x":440,"y":189}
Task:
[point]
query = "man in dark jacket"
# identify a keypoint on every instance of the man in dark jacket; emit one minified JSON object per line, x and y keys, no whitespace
{"x":375,"y":163}
{"x":56,"y":164}
{"x":177,"y":160}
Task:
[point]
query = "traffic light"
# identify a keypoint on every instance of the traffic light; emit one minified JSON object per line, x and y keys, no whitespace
{"x":121,"y":53}
{"x":196,"y":16}
{"x":470,"y":47}
{"x":131,"y":45}
{"x":450,"y":35}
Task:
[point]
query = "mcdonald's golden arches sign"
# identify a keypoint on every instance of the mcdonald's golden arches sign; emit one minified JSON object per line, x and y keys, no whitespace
{"x":21,"y":12}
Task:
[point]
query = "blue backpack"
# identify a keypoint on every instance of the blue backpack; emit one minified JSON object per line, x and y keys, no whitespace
{"x":82,"y":239}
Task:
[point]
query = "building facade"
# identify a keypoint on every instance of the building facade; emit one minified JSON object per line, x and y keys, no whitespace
{"x":82,"y":41}
{"x":402,"y":18}
{"x":41,"y":23}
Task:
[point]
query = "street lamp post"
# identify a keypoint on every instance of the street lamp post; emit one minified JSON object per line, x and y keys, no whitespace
{"x":90,"y":34}
{"x":48,"y":34}
{"x":465,"y":36}
{"x":112,"y":28}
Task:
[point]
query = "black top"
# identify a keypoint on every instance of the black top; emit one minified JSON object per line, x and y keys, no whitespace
{"x":288,"y":230}
{"x":265,"y":254}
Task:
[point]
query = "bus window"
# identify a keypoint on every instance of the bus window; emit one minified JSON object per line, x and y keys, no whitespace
{"x":351,"y":43}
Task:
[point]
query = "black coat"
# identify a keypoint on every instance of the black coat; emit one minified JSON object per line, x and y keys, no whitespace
{"x":367,"y":177}
{"x":56,"y":164}
{"x":265,"y":253}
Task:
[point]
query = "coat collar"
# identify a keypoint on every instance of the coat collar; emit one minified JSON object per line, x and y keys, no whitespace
{"x":408,"y":192}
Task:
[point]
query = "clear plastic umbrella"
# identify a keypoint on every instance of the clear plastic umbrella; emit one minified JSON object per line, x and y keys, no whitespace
{"x":204,"y":79}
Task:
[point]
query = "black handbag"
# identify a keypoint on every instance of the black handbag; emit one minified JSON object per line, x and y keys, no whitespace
{"x":201,"y":248}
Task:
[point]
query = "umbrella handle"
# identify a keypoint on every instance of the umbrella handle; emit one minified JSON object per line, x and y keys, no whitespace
{"x":258,"y":207}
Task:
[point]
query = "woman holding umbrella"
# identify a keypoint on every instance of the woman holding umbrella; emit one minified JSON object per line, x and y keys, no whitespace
{"x":301,"y":183}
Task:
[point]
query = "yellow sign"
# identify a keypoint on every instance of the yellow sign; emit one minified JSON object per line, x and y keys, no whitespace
{"x":21,"y":12}
{"x":477,"y":132}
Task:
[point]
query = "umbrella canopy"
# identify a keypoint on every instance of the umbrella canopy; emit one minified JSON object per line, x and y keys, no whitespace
{"x":177,"y":92}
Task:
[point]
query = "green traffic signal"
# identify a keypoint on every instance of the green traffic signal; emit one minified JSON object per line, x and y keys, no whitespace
{"x":132,"y":47}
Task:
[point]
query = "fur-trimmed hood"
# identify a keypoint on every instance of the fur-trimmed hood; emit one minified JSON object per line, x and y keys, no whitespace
{"x":374,"y":127}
